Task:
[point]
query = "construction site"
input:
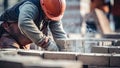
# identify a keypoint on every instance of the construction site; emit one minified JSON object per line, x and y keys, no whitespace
{"x":93,"y":39}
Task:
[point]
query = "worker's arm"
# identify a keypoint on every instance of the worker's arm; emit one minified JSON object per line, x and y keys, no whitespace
{"x":57,"y":29}
{"x":28,"y":13}
{"x":58,"y":33}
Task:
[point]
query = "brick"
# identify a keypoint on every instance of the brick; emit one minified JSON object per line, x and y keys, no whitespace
{"x":99,"y":49}
{"x":30,"y":53}
{"x":94,"y":59}
{"x":60,"y":55}
{"x":115,"y":60}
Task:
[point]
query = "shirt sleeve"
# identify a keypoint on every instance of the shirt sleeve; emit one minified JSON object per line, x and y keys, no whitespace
{"x":28,"y":12}
{"x":57,"y":29}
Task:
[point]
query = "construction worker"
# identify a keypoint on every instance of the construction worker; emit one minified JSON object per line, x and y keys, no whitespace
{"x":28,"y":21}
{"x":104,"y":5}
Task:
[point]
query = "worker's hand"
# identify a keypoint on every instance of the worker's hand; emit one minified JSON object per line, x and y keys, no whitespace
{"x":48,"y":44}
{"x":52,"y":46}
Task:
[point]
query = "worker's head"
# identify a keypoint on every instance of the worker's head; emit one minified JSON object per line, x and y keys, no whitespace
{"x":53,"y":9}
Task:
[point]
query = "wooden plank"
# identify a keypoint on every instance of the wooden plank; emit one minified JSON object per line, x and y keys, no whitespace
{"x":102,"y":22}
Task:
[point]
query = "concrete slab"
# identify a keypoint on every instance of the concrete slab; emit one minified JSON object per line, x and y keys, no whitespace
{"x":36,"y":62}
{"x":60,"y":55}
{"x":106,"y":49}
{"x":94,"y":59}
{"x":55,"y":64}
{"x":99,"y":49}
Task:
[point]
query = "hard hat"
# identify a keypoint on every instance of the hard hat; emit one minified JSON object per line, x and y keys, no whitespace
{"x":53,"y":9}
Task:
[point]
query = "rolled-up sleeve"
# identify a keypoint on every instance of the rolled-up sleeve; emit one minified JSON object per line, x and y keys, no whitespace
{"x":28,"y":12}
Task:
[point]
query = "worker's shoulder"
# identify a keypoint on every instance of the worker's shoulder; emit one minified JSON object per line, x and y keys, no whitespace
{"x":28,"y":4}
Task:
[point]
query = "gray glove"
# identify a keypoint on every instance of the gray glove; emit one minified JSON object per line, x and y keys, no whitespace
{"x":48,"y":44}
{"x":52,"y":46}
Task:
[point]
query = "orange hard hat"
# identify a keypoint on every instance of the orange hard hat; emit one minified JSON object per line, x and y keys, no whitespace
{"x":53,"y":9}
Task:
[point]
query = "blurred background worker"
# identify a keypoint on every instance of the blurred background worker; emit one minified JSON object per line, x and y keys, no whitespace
{"x":109,"y":7}
{"x":104,"y":5}
{"x":90,"y":19}
{"x":28,"y":22}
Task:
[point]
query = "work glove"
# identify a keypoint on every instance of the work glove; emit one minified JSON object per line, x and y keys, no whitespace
{"x":48,"y":45}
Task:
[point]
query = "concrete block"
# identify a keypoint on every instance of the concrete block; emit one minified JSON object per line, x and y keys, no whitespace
{"x":99,"y":49}
{"x":115,"y":60}
{"x":94,"y":59}
{"x":106,"y":49}
{"x":30,"y":53}
{"x":78,"y":45}
{"x":8,"y":53}
{"x":60,"y":55}
{"x":114,"y":49}
{"x":112,"y":35}
{"x":73,"y":45}
{"x":55,"y":64}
